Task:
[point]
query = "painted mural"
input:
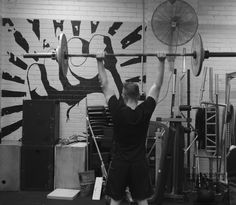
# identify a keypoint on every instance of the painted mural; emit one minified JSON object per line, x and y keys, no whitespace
{"x":42,"y":79}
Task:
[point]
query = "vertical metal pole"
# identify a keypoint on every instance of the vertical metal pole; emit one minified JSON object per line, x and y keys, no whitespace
{"x":203,"y":84}
{"x":211,"y":99}
{"x":224,"y":130}
{"x":143,"y":46}
{"x":188,"y":114}
{"x":227,"y":97}
{"x":87,"y":153}
{"x":181,"y":78}
{"x":217,"y":125}
{"x":173,"y":92}
{"x":184,"y":60}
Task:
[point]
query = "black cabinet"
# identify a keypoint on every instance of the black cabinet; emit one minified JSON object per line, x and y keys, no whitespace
{"x":37,"y":167}
{"x":40,"y":122}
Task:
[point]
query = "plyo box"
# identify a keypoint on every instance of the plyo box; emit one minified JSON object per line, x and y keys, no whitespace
{"x":69,"y":161}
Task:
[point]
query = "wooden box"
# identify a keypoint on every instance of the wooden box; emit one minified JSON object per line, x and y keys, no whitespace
{"x":69,"y":161}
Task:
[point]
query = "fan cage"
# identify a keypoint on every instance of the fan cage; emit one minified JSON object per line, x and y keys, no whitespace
{"x":173,"y":21}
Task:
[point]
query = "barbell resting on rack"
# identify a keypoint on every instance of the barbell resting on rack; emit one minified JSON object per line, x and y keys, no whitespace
{"x":198,"y":54}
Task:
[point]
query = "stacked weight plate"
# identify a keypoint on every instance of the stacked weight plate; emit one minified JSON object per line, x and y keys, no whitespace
{"x":102,"y":126}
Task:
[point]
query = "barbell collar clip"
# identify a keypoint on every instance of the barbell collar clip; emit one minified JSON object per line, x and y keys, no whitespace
{"x":206,"y":54}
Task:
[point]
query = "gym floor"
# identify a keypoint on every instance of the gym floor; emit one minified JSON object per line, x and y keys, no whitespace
{"x":40,"y":198}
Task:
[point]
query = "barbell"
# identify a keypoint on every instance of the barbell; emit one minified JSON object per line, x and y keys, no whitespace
{"x":198,"y":54}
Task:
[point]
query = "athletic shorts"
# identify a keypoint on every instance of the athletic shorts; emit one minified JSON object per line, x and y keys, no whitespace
{"x":123,"y":174}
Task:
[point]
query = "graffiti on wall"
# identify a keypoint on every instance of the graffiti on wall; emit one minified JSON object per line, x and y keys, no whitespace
{"x":37,"y":36}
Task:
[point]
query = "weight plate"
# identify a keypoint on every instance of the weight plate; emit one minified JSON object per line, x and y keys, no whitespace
{"x":61,"y":52}
{"x":199,"y":53}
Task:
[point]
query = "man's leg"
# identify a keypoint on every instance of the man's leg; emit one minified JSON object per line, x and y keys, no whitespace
{"x":142,"y":202}
{"x":232,"y":190}
{"x":114,"y":202}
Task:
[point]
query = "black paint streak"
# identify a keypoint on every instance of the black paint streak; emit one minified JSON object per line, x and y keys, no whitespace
{"x":133,"y":61}
{"x":12,"y":109}
{"x":114,"y":27}
{"x":76,"y":27}
{"x":17,"y":61}
{"x":45,"y":45}
{"x":144,"y":78}
{"x":94,"y":26}
{"x":11,"y":128}
{"x":69,"y":92}
{"x":36,"y":27}
{"x":20,"y":40}
{"x":17,"y":79}
{"x":85,"y":45}
{"x":58,"y":25}
{"x":131,"y":38}
{"x":134,"y":79}
{"x":9,"y":93}
{"x":7,"y":21}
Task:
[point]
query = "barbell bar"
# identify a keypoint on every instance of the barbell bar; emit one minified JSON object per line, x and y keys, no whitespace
{"x":89,"y":55}
{"x":125,"y":54}
{"x":198,"y":54}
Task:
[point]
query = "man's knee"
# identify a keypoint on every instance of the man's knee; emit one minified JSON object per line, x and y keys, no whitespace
{"x":115,"y":202}
{"x":142,"y":202}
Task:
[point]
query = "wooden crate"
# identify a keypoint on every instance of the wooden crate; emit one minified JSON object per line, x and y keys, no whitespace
{"x":69,"y":161}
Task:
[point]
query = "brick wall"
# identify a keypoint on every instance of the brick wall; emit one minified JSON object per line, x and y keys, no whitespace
{"x":116,"y":11}
{"x":216,"y":18}
{"x":216,"y":25}
{"x":1,"y":4}
{"x":89,"y":10}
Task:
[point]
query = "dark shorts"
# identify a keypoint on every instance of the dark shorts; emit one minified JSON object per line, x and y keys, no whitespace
{"x":232,"y":189}
{"x":123,"y":174}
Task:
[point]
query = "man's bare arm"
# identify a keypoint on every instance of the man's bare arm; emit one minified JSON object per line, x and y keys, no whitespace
{"x":106,"y":88}
{"x":156,"y":87}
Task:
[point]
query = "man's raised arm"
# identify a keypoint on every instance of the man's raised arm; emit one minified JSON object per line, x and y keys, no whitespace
{"x":106,"y":88}
{"x":156,"y":87}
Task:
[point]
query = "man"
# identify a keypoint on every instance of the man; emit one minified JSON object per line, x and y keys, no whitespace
{"x":129,"y":167}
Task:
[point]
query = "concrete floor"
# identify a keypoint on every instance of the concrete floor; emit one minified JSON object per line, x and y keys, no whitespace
{"x":40,"y":198}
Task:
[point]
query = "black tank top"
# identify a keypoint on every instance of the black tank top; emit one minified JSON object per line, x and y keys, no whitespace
{"x":130,"y":128}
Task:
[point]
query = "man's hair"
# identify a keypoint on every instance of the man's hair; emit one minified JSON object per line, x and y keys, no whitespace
{"x":131,"y":90}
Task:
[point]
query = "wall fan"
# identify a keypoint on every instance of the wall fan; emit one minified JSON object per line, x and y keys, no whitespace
{"x":174,"y":22}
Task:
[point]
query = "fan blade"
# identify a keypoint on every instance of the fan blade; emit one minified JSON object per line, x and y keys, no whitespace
{"x":174,"y":22}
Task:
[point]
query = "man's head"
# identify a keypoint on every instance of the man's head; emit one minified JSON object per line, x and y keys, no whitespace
{"x":130,"y":91}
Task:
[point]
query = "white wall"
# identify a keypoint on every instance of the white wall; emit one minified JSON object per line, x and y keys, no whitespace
{"x":217,"y":26}
{"x":85,"y":10}
{"x":105,"y":11}
{"x":217,"y":21}
{"x":1,"y":5}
